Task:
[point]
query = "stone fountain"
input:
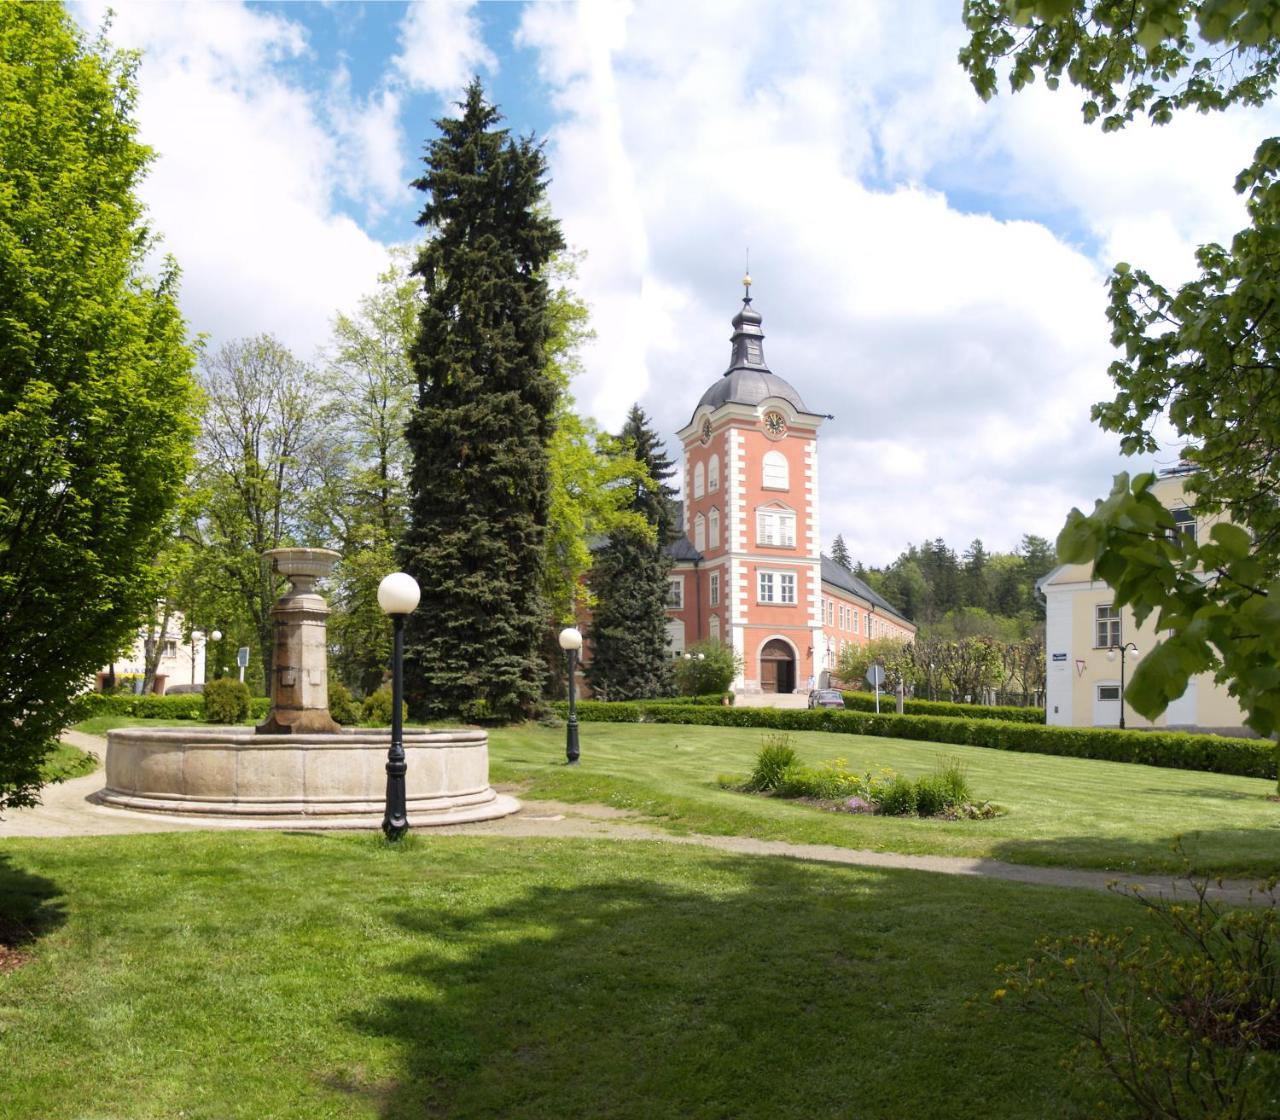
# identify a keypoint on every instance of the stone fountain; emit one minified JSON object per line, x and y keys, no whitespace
{"x":299,"y":766}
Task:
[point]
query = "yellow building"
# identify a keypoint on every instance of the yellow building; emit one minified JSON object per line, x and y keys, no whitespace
{"x":1085,"y":634}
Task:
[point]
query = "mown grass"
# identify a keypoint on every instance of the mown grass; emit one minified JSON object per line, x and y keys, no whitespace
{"x":216,"y":976}
{"x":1058,"y":811}
{"x":65,"y":762}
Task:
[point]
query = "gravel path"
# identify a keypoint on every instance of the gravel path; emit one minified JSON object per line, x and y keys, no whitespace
{"x":67,"y":812}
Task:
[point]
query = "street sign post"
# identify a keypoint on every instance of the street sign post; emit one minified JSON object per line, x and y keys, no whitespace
{"x":242,"y":659}
{"x":875,"y":678}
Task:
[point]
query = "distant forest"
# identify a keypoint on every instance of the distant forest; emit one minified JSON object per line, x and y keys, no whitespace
{"x":972,"y":594}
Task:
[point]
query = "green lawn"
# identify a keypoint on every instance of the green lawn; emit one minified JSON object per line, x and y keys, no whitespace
{"x":218,"y":976}
{"x":1060,"y":811}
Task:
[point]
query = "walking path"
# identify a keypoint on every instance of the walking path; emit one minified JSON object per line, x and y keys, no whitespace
{"x":67,"y":812}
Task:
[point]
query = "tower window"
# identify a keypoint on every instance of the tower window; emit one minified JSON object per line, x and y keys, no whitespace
{"x":699,"y":480}
{"x":713,"y":474}
{"x":715,"y":528}
{"x":700,"y":533}
{"x":776,"y":474}
{"x":776,"y":527}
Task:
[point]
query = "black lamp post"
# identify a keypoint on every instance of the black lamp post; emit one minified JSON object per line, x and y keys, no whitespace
{"x":398,"y":594}
{"x":1111,"y":656}
{"x":571,"y":642}
{"x":215,"y":637}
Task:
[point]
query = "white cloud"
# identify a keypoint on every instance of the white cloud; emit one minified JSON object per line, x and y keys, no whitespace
{"x":245,"y":186}
{"x":441,"y":47}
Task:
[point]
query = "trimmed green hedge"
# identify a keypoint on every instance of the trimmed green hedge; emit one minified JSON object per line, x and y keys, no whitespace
{"x":866,"y":702}
{"x":712,"y":699}
{"x":1251,"y":758}
{"x":187,"y":705}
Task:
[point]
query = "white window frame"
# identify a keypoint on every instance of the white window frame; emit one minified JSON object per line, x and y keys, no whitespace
{"x":1184,"y":523}
{"x":854,"y":621}
{"x":700,"y":533}
{"x":775,"y":471}
{"x":715,"y":628}
{"x":715,"y":589}
{"x":775,"y":528}
{"x":713,"y":474}
{"x":675,"y":593}
{"x":170,"y":648}
{"x":715,"y":527}
{"x":699,"y":480}
{"x":775,"y":588}
{"x":1109,"y":699}
{"x":1107,"y":628}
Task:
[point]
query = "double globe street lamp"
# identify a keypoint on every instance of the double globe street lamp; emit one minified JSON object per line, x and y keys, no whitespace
{"x":571,"y":643}
{"x":398,"y":595}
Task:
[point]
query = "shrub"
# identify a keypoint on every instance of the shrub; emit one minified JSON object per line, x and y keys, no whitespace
{"x":933,"y":796}
{"x":898,"y":797}
{"x":342,"y":705}
{"x":955,"y":781}
{"x":225,"y":701}
{"x":376,"y":710}
{"x":1186,"y":1024}
{"x":866,"y":702}
{"x":1254,"y":758}
{"x":776,"y":757}
{"x":707,"y":667}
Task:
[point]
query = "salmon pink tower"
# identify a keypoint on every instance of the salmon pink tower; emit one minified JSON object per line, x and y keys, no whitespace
{"x":751,"y":511}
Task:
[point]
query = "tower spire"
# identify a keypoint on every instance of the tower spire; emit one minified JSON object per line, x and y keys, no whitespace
{"x":748,"y":337}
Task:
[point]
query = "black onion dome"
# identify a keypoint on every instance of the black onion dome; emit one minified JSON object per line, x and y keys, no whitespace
{"x":748,"y":380}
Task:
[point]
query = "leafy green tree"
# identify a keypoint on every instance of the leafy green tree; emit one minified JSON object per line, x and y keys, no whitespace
{"x":96,"y":396}
{"x":361,"y":503}
{"x":894,"y":656}
{"x":707,"y":668}
{"x":482,"y":423}
{"x":257,"y":460}
{"x":630,"y":658}
{"x":840,"y":553}
{"x":1203,"y":356}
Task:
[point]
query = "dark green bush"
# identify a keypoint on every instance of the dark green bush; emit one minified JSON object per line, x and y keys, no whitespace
{"x":376,"y":710}
{"x":898,"y":797}
{"x":342,"y":705}
{"x":706,"y":667}
{"x":1254,"y":758}
{"x":776,"y":757}
{"x":711,"y":699}
{"x":933,"y":796}
{"x":866,"y":702}
{"x":226,"y":701}
{"x":189,"y":706}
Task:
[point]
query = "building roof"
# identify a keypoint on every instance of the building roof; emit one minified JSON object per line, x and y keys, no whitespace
{"x":680,"y":547}
{"x":748,"y":380}
{"x":839,"y":576}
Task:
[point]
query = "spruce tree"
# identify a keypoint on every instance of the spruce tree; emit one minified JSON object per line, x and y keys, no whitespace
{"x":480,"y":429}
{"x":628,"y":633}
{"x":840,"y":553}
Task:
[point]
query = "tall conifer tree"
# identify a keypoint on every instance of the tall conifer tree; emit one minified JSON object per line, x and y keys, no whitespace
{"x":840,"y":553}
{"x":629,"y":655}
{"x":479,"y":432}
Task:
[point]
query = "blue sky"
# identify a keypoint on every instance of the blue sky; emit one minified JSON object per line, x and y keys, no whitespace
{"x":931,"y":269}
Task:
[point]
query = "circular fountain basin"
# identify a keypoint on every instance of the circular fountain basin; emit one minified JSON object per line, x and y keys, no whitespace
{"x":336,"y":781}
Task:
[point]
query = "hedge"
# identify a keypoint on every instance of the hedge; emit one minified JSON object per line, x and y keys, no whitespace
{"x":713,"y":699}
{"x":186,"y":706}
{"x":866,"y":702}
{"x":1251,"y":758}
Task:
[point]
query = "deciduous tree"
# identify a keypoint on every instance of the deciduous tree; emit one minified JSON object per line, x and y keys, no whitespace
{"x":1204,"y":355}
{"x":96,"y":397}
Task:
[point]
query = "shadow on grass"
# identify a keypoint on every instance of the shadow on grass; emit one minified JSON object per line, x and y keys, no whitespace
{"x":771,"y":989}
{"x":1237,"y":853}
{"x":30,"y":907}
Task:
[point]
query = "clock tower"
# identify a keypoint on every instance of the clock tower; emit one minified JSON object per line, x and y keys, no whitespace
{"x":751,"y":515}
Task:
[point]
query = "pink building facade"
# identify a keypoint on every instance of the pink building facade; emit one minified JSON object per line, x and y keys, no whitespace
{"x":749,"y":571}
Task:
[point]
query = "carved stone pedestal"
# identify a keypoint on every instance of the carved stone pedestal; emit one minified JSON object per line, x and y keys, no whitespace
{"x":300,"y":675}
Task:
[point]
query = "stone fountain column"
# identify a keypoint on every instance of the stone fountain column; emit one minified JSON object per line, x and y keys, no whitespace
{"x":300,"y":672}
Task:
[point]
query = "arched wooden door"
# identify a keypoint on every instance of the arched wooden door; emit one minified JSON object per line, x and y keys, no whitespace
{"x":777,"y":667}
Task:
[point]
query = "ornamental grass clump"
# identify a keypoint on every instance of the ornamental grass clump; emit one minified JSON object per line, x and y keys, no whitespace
{"x":776,"y":757}
{"x":1180,"y":1022}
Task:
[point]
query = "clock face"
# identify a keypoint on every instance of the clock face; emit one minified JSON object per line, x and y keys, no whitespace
{"x":706,"y":430}
{"x":774,"y":424}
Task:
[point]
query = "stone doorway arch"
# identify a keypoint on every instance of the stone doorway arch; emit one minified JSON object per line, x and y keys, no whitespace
{"x":777,"y":666}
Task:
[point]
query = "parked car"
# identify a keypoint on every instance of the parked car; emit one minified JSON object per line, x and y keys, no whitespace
{"x":826,"y":698}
